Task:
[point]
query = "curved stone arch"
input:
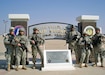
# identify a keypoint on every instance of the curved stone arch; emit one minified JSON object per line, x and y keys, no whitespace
{"x":50,"y":30}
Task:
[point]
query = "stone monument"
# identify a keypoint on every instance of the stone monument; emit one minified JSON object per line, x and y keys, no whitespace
{"x":55,"y":60}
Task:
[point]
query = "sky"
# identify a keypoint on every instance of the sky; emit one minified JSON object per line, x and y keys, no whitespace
{"x":52,"y":11}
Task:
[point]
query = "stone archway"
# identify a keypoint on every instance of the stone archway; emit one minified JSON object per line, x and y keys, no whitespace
{"x":51,"y":30}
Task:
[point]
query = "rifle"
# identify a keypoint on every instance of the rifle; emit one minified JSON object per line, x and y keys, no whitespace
{"x":75,"y":37}
{"x":11,"y":38}
{"x":37,"y":42}
{"x":88,"y":45}
{"x":23,"y":47}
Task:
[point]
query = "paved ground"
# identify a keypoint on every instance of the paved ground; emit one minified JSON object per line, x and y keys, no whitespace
{"x":50,"y":44}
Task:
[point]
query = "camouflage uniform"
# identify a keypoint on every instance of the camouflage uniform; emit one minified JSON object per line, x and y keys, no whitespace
{"x":21,"y":50}
{"x":99,"y":47}
{"x":10,"y":50}
{"x":36,"y":37}
{"x":85,"y":46}
{"x":72,"y":38}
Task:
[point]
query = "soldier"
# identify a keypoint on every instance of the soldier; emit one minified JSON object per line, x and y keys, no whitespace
{"x":98,"y":43}
{"x":21,"y":42}
{"x":72,"y":38}
{"x":86,"y":47}
{"x":36,"y":40}
{"x":8,"y":39}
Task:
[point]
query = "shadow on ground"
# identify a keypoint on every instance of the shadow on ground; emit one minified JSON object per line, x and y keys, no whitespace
{"x":3,"y":64}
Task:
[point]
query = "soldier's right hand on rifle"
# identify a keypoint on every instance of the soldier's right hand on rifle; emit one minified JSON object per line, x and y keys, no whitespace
{"x":32,"y":41}
{"x":19,"y":44}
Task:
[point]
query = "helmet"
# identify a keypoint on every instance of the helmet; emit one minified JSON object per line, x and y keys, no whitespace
{"x":34,"y":29}
{"x":86,"y":33}
{"x":97,"y":28}
{"x":11,"y":29}
{"x":72,"y":26}
{"x":21,"y":30}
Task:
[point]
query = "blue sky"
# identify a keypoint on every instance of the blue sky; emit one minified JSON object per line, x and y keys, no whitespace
{"x":52,"y":11}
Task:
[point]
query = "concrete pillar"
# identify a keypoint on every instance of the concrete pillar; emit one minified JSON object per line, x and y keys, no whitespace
{"x":87,"y":23}
{"x":19,"y":20}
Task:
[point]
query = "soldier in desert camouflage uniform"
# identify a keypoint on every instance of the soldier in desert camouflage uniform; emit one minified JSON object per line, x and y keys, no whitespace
{"x":8,"y":42}
{"x":99,"y":46}
{"x":72,"y":38}
{"x":36,"y":40}
{"x":21,"y":42}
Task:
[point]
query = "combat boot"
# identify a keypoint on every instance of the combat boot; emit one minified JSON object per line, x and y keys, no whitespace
{"x":11,"y":66}
{"x":86,"y":65}
{"x":33,"y":67}
{"x":24,"y":68}
{"x":8,"y":67}
{"x":94,"y":65}
{"x":81,"y":65}
{"x":102,"y":65}
{"x":17,"y":68}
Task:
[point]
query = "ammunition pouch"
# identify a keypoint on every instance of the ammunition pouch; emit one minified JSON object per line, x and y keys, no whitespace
{"x":6,"y":55}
